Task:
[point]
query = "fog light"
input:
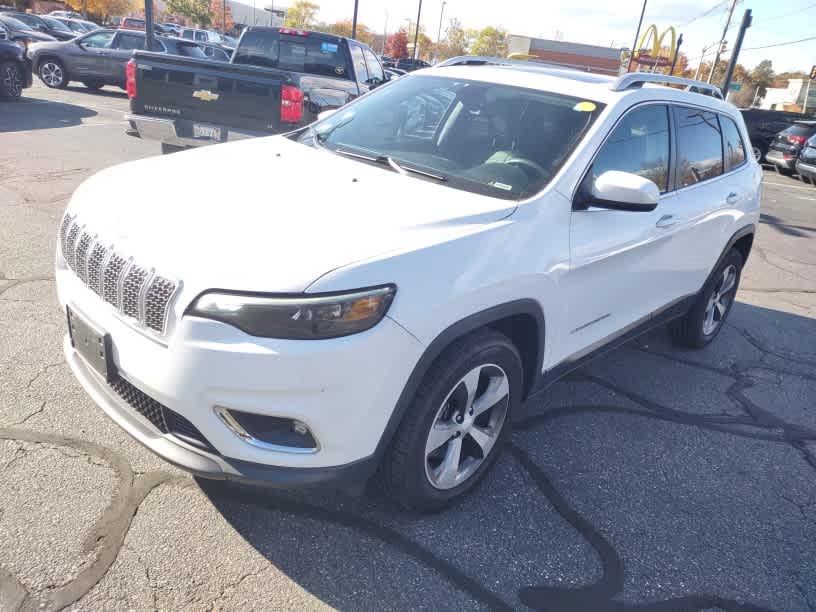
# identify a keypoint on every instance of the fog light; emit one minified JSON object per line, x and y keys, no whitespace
{"x":269,"y":432}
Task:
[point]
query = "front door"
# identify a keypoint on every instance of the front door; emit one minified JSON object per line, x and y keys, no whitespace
{"x":615,"y":278}
{"x":88,"y":56}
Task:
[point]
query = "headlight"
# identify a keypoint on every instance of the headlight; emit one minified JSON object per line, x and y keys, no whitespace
{"x":300,"y":317}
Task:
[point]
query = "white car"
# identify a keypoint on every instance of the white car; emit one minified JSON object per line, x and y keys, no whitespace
{"x":377,"y":294}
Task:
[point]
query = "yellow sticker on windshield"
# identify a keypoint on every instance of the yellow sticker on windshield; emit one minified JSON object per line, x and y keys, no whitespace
{"x":584,"y":107}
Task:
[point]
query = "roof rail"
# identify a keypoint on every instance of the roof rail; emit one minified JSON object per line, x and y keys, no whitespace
{"x":632,"y":80}
{"x":478,"y":60}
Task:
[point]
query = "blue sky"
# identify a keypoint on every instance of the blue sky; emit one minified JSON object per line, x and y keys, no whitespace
{"x":606,"y":21}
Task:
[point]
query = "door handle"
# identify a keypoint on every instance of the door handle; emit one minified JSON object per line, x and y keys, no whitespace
{"x":666,"y":221}
{"x":732,"y":198}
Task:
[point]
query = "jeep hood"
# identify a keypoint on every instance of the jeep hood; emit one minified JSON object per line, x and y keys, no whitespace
{"x":269,"y":214}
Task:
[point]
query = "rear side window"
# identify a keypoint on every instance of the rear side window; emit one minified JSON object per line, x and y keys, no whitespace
{"x":129,"y":42}
{"x":309,"y":54}
{"x":359,"y":63}
{"x":375,"y":71}
{"x":186,"y":50}
{"x":699,"y":146}
{"x":640,"y":145}
{"x":188,"y":34}
{"x":201,"y":36}
{"x":734,"y":147}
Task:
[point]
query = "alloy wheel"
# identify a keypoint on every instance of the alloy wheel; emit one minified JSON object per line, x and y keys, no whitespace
{"x":720,"y":300}
{"x":51,"y":73}
{"x":13,"y":81}
{"x":466,"y":426}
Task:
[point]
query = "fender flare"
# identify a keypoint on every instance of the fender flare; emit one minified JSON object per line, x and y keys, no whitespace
{"x":461,"y":328}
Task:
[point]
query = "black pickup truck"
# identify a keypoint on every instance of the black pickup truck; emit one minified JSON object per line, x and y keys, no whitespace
{"x":277,"y":80}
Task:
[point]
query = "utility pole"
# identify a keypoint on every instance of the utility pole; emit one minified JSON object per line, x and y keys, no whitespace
{"x":637,"y":35}
{"x":416,"y":33}
{"x":722,"y":39}
{"x":354,"y":21}
{"x":149,"y":37}
{"x":729,"y":72}
{"x":224,"y":17}
{"x":706,"y":49}
{"x":441,"y":12}
{"x":676,"y":54}
{"x":385,"y":34}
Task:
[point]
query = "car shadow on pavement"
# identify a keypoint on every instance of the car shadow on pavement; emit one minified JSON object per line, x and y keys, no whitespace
{"x":654,"y":478}
{"x":111,"y":92}
{"x":797,"y":231}
{"x":30,"y":114}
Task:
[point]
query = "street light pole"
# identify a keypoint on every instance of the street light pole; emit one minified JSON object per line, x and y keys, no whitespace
{"x":722,"y":39}
{"x":149,"y":37}
{"x":416,"y":33}
{"x":354,"y":21}
{"x":637,"y":35}
{"x":441,"y":13}
{"x":676,"y":54}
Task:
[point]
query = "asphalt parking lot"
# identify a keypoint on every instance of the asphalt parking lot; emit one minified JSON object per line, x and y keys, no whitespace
{"x":653,"y":479}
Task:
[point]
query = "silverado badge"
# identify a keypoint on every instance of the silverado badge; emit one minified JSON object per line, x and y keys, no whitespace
{"x":205,"y":95}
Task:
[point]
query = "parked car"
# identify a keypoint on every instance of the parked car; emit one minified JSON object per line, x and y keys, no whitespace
{"x":173,"y":29}
{"x":320,"y":333}
{"x":15,"y":70}
{"x":132,"y":23}
{"x":409,"y":64}
{"x":763,"y":126}
{"x":45,"y":25}
{"x":206,"y":36}
{"x":787,"y":145}
{"x":806,"y":164}
{"x":78,"y":26}
{"x":66,"y":14}
{"x":98,"y":58}
{"x":278,"y":79}
{"x":216,"y":52}
{"x":18,"y":32}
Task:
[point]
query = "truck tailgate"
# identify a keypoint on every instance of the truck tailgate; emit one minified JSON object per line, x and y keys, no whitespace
{"x":205,"y":91}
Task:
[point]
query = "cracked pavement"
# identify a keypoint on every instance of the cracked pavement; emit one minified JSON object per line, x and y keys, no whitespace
{"x":652,"y":479}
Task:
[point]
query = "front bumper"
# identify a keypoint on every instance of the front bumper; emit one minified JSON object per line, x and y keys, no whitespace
{"x":344,"y":390}
{"x":778,"y":159}
{"x":179,"y":132}
{"x":806,"y":170}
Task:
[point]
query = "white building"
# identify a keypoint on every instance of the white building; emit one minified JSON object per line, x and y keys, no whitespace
{"x":261,"y":13}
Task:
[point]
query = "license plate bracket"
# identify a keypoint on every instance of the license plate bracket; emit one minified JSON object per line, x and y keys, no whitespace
{"x":93,"y":345}
{"x":208,"y":132}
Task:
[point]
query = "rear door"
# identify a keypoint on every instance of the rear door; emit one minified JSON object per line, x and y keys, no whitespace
{"x":121,"y":49}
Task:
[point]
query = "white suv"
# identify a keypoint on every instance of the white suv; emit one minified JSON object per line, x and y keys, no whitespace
{"x":376,"y":294}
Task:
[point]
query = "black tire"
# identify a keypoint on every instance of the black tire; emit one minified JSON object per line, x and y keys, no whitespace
{"x":691,"y":330}
{"x":404,"y":474}
{"x":94,"y":85}
{"x":758,"y":153}
{"x":11,"y":81}
{"x":52,"y":72}
{"x":166,"y":149}
{"x":784,"y":171}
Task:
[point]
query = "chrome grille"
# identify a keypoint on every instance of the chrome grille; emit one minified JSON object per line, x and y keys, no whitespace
{"x":81,"y":256}
{"x":134,"y":290}
{"x":156,"y":298}
{"x":96,"y":261}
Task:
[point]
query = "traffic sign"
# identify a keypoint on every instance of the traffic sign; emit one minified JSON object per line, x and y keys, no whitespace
{"x":734,"y":86}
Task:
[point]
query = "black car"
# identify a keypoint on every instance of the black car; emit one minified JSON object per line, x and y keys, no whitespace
{"x":806,"y":164}
{"x":409,"y":64}
{"x":77,"y":26}
{"x":764,"y":125}
{"x":19,"y":32}
{"x":45,"y":25}
{"x":98,"y":58}
{"x":788,"y":144}
{"x":15,"y":71}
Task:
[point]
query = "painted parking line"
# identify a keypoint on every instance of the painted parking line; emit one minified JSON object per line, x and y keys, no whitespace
{"x":788,"y":186}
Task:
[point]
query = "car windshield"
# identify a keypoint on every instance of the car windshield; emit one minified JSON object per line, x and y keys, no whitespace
{"x":89,"y":26}
{"x":498,"y":140}
{"x":14,"y":24}
{"x":56,"y":24}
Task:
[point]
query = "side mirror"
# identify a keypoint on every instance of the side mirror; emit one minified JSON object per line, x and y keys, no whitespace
{"x":326,"y":114}
{"x":617,"y":190}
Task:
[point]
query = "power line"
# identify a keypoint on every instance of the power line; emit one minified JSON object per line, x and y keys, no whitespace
{"x":714,"y":8}
{"x":801,"y":10}
{"x":782,"y":44}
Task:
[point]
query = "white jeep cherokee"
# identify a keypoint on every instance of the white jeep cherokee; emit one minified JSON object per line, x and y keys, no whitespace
{"x":379,"y":292}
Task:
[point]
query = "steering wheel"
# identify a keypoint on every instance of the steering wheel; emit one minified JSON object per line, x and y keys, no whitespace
{"x":528,"y":164}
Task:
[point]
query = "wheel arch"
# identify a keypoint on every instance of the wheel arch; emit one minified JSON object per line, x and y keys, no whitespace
{"x":520,"y":320}
{"x":46,"y":56}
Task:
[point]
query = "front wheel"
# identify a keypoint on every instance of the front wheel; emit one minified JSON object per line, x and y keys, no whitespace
{"x":52,"y":73}
{"x":11,"y":81}
{"x":759,"y":154}
{"x":703,"y":322}
{"x":456,"y":424}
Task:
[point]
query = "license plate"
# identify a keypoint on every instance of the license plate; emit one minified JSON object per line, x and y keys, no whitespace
{"x":93,"y":345}
{"x":206,"y":131}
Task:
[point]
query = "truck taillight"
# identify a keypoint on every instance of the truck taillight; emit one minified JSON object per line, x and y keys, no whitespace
{"x":797,"y":140}
{"x":130,"y":79}
{"x":291,"y":110}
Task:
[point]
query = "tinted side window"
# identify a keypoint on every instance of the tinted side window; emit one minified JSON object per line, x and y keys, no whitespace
{"x":188,"y":34}
{"x":128,"y":42}
{"x":358,"y":60}
{"x":640,"y":145}
{"x":375,"y":70}
{"x":201,"y":36}
{"x":699,"y":146}
{"x":734,"y":147}
{"x":292,"y":52}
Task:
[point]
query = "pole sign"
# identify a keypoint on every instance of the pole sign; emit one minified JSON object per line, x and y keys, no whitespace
{"x":650,"y":50}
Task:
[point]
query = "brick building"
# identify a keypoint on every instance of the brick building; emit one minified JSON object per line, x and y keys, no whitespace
{"x":590,"y":58}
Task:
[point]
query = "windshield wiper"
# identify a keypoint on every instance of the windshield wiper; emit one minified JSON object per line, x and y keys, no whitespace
{"x":379,"y":158}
